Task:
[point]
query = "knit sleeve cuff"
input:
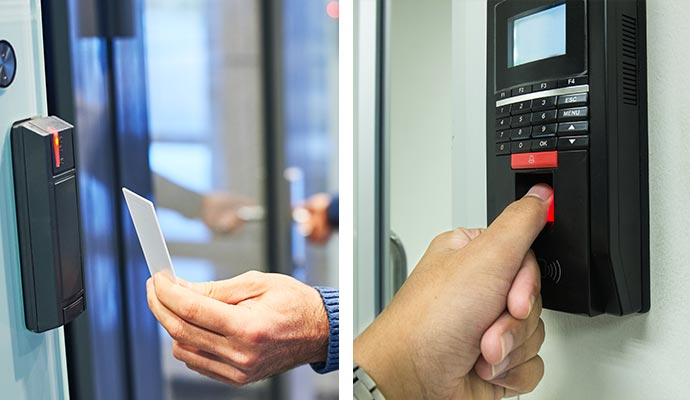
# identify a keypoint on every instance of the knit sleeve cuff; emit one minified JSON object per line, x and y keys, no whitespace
{"x":333,"y":212}
{"x":331,"y":299}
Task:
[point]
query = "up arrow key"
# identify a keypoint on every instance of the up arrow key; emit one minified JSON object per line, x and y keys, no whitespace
{"x":574,"y":128}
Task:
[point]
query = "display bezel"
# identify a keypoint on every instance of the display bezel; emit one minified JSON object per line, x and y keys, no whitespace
{"x":573,"y":62}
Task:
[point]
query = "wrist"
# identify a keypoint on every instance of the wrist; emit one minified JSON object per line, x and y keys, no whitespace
{"x":319,"y":331}
{"x":383,"y":351}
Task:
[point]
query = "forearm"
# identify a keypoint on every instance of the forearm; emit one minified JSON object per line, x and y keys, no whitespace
{"x":175,"y":197}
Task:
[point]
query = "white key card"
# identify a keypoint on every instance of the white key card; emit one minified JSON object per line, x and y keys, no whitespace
{"x":151,"y":238}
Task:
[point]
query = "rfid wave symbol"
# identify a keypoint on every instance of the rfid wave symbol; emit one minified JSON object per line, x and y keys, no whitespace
{"x":552,"y":270}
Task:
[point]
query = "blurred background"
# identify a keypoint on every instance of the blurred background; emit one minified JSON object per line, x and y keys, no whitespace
{"x":204,"y":106}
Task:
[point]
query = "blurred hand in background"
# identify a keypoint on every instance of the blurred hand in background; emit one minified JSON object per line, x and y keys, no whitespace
{"x":318,"y":217}
{"x":225,"y":213}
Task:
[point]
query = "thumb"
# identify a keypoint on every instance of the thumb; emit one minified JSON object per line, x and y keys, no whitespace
{"x":511,"y":235}
{"x":229,"y":291}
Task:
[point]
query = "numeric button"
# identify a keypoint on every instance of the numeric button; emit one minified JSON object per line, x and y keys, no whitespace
{"x":503,"y":123}
{"x":544,"y":103}
{"x":520,"y":120}
{"x":502,"y":149}
{"x":521,"y":107}
{"x":520,"y":133}
{"x":544,"y":116}
{"x":544,"y":130}
{"x":522,"y":146}
{"x":502,"y":111}
{"x":502,"y":136}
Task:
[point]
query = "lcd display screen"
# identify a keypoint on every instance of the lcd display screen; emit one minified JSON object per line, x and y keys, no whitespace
{"x":537,"y":36}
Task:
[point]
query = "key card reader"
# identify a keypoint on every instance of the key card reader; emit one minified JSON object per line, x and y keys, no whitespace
{"x":47,"y":201}
{"x":567,"y":106}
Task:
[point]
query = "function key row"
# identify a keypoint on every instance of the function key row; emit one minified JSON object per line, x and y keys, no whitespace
{"x":546,"y":85}
{"x":564,"y":114}
{"x":521,"y":107}
{"x":543,"y":144}
{"x":546,"y":130}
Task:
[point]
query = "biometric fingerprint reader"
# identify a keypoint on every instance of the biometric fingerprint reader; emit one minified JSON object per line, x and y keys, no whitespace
{"x":567,"y":106}
{"x":47,"y":201}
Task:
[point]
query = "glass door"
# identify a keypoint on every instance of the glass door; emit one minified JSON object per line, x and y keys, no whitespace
{"x":403,"y":134}
{"x":204,"y":83}
{"x":242,"y":106}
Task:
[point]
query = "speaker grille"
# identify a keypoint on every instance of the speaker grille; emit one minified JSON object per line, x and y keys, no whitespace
{"x":628,"y":59}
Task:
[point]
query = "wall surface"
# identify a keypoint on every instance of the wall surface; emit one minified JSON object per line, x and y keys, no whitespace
{"x":32,"y":366}
{"x":635,"y":357}
{"x":419,"y":122}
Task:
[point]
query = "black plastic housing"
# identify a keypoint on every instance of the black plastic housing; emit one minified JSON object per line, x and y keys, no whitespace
{"x":47,"y":203}
{"x":595,"y":256}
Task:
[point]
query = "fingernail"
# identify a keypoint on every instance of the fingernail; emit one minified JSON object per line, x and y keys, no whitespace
{"x":541,"y":191}
{"x":506,"y":344}
{"x":500,"y":368}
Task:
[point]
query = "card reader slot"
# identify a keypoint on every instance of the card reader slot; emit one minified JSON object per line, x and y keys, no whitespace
{"x":68,"y":237}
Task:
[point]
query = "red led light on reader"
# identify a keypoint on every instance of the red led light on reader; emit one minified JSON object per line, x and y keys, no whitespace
{"x":550,"y":215}
{"x":56,"y":146}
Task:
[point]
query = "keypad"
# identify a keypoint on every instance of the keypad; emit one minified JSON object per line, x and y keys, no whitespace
{"x":547,"y":116}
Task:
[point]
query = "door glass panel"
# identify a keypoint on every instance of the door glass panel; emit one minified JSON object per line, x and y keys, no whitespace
{"x":205,"y":111}
{"x":99,"y":336}
{"x":310,"y":93}
{"x":205,"y":86}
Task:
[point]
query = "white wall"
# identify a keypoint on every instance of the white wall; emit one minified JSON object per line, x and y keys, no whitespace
{"x":636,"y":357}
{"x":420,"y":122}
{"x":32,"y":366}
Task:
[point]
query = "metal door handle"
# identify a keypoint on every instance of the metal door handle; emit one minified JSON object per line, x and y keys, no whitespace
{"x":396,"y":273}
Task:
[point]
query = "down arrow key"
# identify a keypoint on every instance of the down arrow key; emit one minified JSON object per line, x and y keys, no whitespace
{"x":573,"y":143}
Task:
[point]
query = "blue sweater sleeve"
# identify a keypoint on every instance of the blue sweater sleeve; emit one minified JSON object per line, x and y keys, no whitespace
{"x":331,"y":299}
{"x":333,"y":211}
